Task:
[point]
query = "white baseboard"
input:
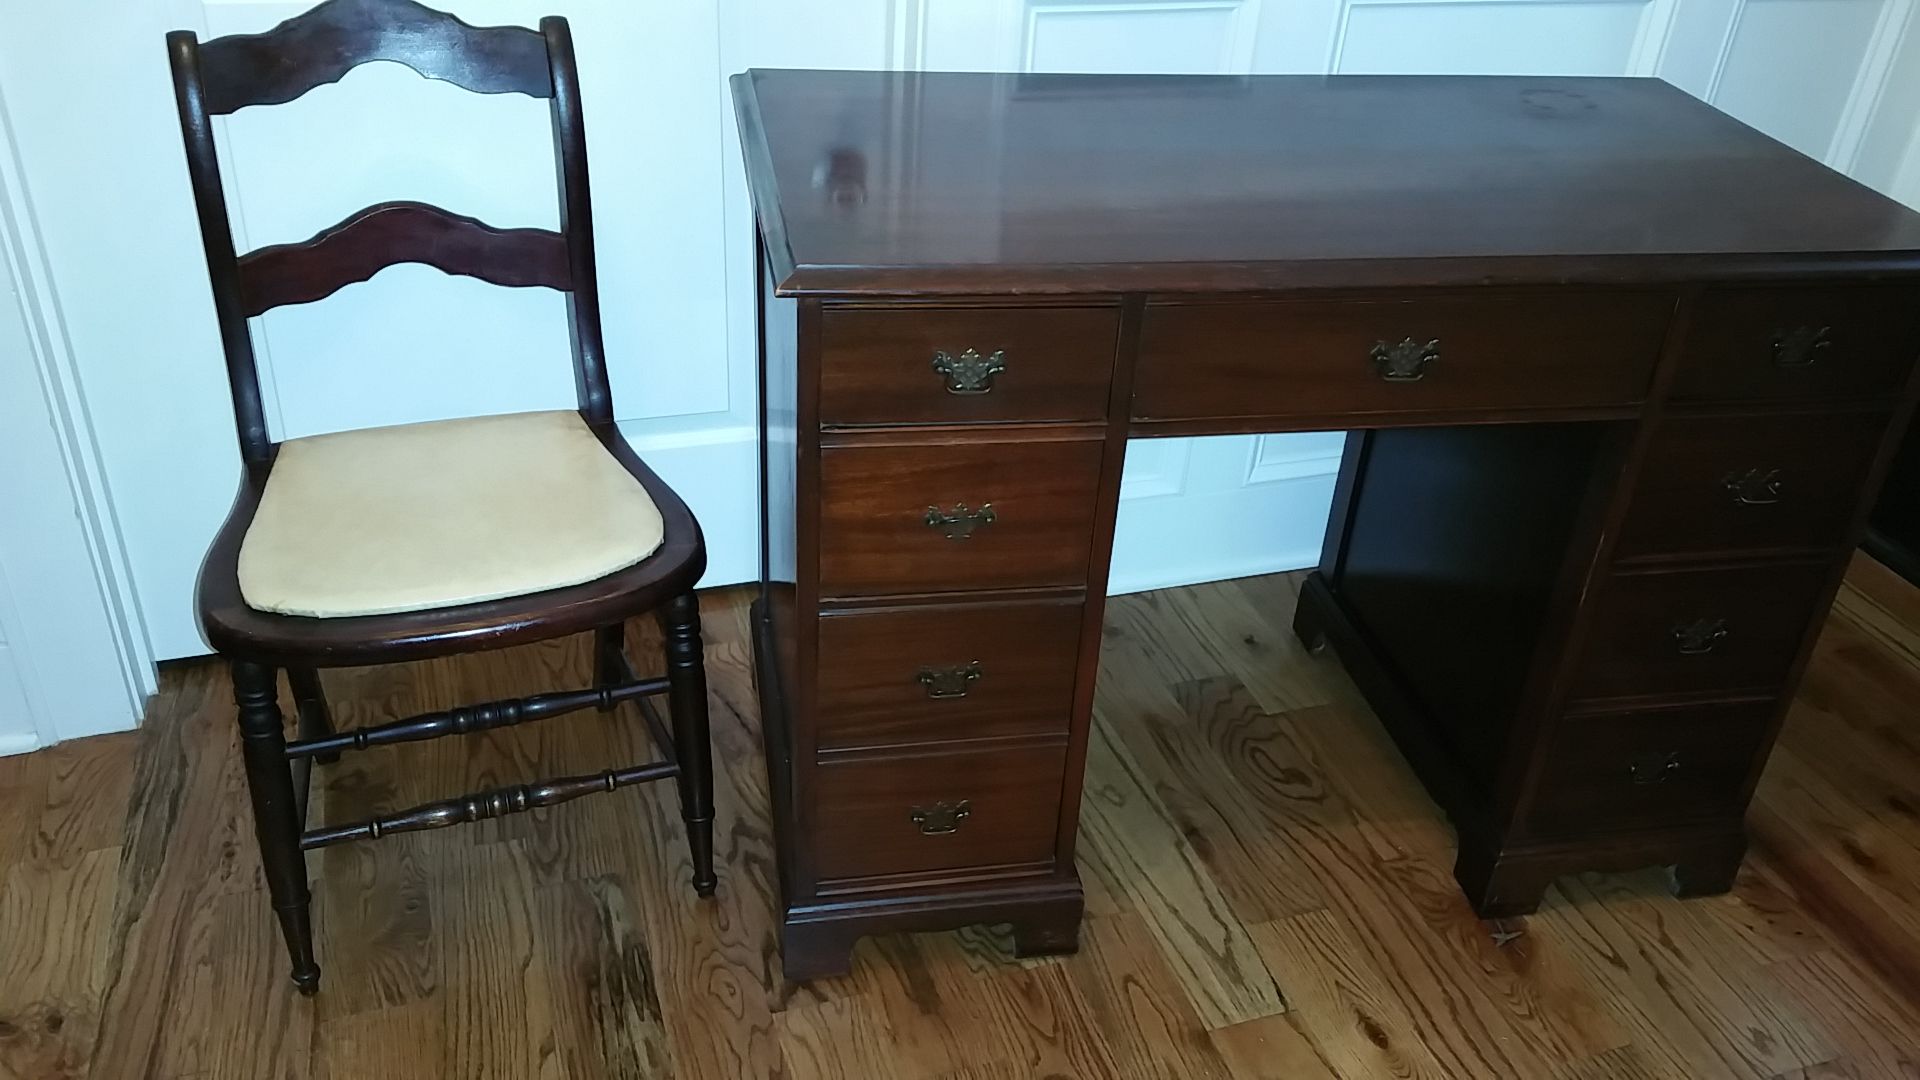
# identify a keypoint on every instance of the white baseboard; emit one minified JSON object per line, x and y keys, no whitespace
{"x":18,"y":743}
{"x":717,"y":471}
{"x":1176,"y":574}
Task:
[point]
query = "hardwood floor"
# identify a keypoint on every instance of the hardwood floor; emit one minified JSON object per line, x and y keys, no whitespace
{"x":1268,"y":896}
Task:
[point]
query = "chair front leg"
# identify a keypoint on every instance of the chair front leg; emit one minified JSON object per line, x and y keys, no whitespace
{"x":316,"y":720}
{"x":687,"y":700}
{"x":276,"y":813}
{"x":609,"y":658}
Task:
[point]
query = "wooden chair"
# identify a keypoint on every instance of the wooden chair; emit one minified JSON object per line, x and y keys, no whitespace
{"x":513,"y":553}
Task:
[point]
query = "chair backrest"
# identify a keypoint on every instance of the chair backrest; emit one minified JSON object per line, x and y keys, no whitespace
{"x":320,"y":46}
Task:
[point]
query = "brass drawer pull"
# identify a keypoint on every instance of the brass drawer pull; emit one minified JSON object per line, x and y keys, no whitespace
{"x":1755,"y":487}
{"x":960,"y":522}
{"x":970,"y":373}
{"x":942,"y":817}
{"x":1654,"y":770}
{"x":1801,"y":346}
{"x":1405,"y":362}
{"x":952,"y":682}
{"x":1700,"y":636}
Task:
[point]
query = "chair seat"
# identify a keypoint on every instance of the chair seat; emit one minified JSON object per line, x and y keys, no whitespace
{"x":422,"y":516}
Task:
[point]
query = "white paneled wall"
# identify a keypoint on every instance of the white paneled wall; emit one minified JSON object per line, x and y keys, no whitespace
{"x":113,"y":221}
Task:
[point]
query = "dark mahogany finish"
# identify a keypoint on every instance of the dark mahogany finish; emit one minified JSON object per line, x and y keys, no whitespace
{"x":1027,"y":364}
{"x":1626,"y":369}
{"x":930,"y":674}
{"x":1742,"y":485}
{"x":379,"y":236}
{"x":1800,"y":344}
{"x":1009,"y":515}
{"x":319,"y":47}
{"x":966,"y":810}
{"x":1276,"y":360}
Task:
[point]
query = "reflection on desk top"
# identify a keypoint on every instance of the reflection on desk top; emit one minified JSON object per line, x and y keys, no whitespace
{"x":887,"y":182}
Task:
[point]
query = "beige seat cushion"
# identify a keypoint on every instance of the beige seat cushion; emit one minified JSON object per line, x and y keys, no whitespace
{"x":422,"y":516}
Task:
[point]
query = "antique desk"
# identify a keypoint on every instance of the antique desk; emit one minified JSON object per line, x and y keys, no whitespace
{"x":1621,"y":374}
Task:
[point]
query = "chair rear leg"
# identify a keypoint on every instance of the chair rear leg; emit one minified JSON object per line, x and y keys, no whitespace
{"x":609,"y":654}
{"x":276,"y":813}
{"x":316,"y":720}
{"x":687,"y":700}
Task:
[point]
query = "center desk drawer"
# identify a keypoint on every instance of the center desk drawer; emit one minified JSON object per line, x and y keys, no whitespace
{"x":933,"y":517}
{"x":1318,"y":357}
{"x":938,"y":673}
{"x":907,"y":365}
{"x":937,"y":812}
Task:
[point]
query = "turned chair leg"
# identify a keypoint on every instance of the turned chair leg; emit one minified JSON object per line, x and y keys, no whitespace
{"x":687,"y":700}
{"x":276,"y":810}
{"x":609,"y":666}
{"x":316,"y":720}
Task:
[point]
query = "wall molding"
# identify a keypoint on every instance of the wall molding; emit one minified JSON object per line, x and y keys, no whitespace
{"x":1236,"y":48}
{"x":1869,"y":90}
{"x":51,"y":349}
{"x":1266,"y":465}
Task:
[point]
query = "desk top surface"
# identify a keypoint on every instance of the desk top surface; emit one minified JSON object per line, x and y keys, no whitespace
{"x":878,"y":182}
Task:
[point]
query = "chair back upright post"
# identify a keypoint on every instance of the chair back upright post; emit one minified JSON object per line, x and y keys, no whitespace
{"x":320,"y":47}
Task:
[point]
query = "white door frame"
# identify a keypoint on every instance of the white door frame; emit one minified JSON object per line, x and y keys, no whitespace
{"x":75,"y":684}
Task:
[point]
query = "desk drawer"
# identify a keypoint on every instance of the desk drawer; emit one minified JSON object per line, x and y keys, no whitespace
{"x":930,"y":674}
{"x":938,"y":812}
{"x":1731,"y":484}
{"x":1785,"y":343}
{"x":965,"y":365}
{"x":982,"y":514}
{"x":1696,"y":631}
{"x":1318,"y":357}
{"x":1648,"y":769}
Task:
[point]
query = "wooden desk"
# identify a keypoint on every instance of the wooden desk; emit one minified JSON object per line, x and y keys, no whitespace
{"x":1621,"y":373}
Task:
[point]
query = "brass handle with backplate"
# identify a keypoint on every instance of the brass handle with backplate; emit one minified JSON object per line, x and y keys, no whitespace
{"x":1754,"y":487}
{"x":950,"y":682}
{"x":960,"y":522}
{"x":1405,"y":362}
{"x":1800,"y":346}
{"x":1655,"y":770}
{"x":941,"y":818}
{"x":970,"y":373}
{"x":1700,"y":636}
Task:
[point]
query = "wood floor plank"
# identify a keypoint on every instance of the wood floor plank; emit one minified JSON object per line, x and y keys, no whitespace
{"x":827,"y":1040}
{"x":23,"y":792}
{"x":1340,"y":1003}
{"x":1030,"y":1015}
{"x":1270,"y":1048}
{"x":1137,"y":1005}
{"x":1867,"y":1020}
{"x":1287,"y":784}
{"x":88,"y":782}
{"x":54,"y":941}
{"x":1124,"y":827}
{"x":1229,"y":779}
{"x":405,"y":1042}
{"x":607,"y":1016}
{"x":1680,"y":971}
{"x":188,"y":843}
{"x":491,"y":969}
{"x":1167,"y":742}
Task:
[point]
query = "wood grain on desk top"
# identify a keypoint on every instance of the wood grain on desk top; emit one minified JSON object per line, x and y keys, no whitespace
{"x":886,"y":182}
